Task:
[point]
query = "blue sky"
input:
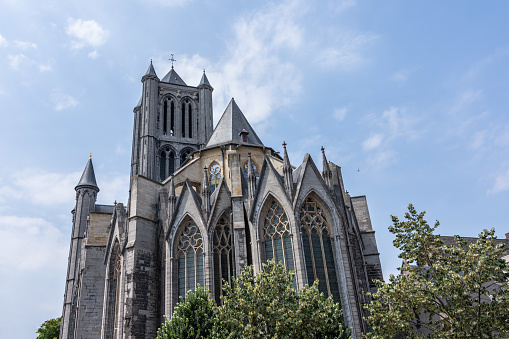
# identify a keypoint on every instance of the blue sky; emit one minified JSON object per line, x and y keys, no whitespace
{"x":410,"y":98}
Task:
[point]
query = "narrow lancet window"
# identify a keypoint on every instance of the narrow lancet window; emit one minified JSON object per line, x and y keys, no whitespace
{"x":190,"y":271}
{"x":215,"y":176}
{"x":162,"y":166}
{"x":190,"y":122}
{"x":165,"y":117}
{"x":172,"y":118}
{"x":171,"y":161}
{"x":223,"y":257}
{"x":183,"y":119}
{"x":318,"y":254}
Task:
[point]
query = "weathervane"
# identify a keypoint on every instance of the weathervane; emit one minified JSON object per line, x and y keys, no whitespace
{"x":172,"y":60}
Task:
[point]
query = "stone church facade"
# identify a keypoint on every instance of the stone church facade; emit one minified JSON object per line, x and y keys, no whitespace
{"x":203,"y":203}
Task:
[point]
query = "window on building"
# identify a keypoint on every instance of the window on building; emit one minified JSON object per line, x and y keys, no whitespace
{"x":162,"y":165}
{"x":184,"y":155}
{"x":190,"y":271}
{"x":165,"y":117}
{"x":183,"y":115}
{"x":317,"y":242}
{"x":190,"y":121}
{"x":171,"y":163}
{"x":223,"y":256}
{"x":215,"y":176}
{"x":276,"y":235}
{"x":172,"y":118}
{"x":244,"y":170}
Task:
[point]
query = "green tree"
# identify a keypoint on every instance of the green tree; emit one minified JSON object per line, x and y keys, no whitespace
{"x":193,"y":317}
{"x":458,"y":291}
{"x":50,"y":329}
{"x":266,"y":306}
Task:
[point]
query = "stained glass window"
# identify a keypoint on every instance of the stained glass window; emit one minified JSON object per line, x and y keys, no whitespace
{"x":215,"y":176}
{"x":223,"y":256}
{"x":190,"y":259}
{"x":318,"y":254}
{"x":276,"y":235}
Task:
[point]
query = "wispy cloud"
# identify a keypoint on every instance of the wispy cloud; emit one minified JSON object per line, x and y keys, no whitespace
{"x":3,"y":41}
{"x":340,"y":113}
{"x":16,"y":60}
{"x":253,"y":69}
{"x":464,"y":100}
{"x":62,"y":100}
{"x":86,"y":33}
{"x":24,"y":45}
{"x":373,"y":141}
{"x":501,"y":183}
{"x":342,"y":5}
{"x":347,"y":52}
{"x":93,"y":55}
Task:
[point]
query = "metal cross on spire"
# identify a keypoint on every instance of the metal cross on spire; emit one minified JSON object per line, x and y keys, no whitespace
{"x":172,"y":60}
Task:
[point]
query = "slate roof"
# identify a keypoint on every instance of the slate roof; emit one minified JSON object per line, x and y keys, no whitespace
{"x":204,"y":80}
{"x":173,"y":78}
{"x":229,"y":127}
{"x":151,"y":71}
{"x":88,"y":176}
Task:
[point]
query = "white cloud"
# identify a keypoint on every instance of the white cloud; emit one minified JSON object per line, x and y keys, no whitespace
{"x":478,"y":140}
{"x":62,"y":100}
{"x":465,"y":100}
{"x":373,"y":141}
{"x":86,"y":33}
{"x":30,"y":244}
{"x":93,"y":55}
{"x":3,"y":41}
{"x":342,"y":5}
{"x":383,"y":158}
{"x":501,"y":183}
{"x":45,"y":68}
{"x":24,"y":45}
{"x":16,"y":60}
{"x":253,"y":70}
{"x":347,"y":55}
{"x":340,"y":113}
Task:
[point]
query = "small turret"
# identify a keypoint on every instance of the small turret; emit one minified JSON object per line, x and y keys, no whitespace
{"x":205,"y":193}
{"x":204,"y":81}
{"x":326,"y":172}
{"x":288,"y":175}
{"x":88,"y":177}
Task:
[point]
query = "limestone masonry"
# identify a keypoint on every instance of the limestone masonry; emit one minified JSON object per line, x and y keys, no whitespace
{"x":203,"y":203}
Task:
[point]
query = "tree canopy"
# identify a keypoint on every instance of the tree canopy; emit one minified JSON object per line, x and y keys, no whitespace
{"x":263,"y":305}
{"x":50,"y":329}
{"x":456,"y":291}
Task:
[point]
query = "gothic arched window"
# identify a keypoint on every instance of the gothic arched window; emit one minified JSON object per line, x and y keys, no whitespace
{"x":276,"y":235}
{"x":165,"y":117}
{"x":184,"y":155}
{"x":162,"y":165}
{"x":244,"y":170}
{"x":172,"y":118}
{"x":183,"y":115}
{"x":223,"y":256}
{"x":171,"y":163}
{"x":317,"y":242}
{"x":190,"y":258}
{"x":190,"y":122}
{"x":215,"y":176}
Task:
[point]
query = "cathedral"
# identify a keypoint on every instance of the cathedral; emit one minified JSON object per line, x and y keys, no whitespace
{"x":203,"y":203}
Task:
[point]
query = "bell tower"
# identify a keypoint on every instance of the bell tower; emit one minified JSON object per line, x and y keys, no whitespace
{"x":171,"y":121}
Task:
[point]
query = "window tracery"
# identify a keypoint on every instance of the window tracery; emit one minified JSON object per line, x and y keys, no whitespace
{"x":276,"y":235}
{"x":214,"y":176}
{"x":244,"y":170}
{"x":190,"y":259}
{"x":223,"y":256}
{"x":317,"y":243}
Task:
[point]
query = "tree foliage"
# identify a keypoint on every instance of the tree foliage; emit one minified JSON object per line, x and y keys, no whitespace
{"x":192,"y":318}
{"x":257,"y":306}
{"x":458,"y":291}
{"x":50,"y":329}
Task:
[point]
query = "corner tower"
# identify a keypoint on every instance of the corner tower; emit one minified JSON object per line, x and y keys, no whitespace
{"x":171,"y":121}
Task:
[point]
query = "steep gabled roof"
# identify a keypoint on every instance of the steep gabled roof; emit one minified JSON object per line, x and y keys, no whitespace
{"x":151,"y":71}
{"x":204,"y":80}
{"x":88,"y":176}
{"x":230,"y":125}
{"x":173,"y":78}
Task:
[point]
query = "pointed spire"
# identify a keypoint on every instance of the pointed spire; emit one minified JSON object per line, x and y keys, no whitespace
{"x":151,"y":71}
{"x":251,"y":177}
{"x":205,"y":193}
{"x":326,"y":172}
{"x":287,"y":172}
{"x":88,"y":176}
{"x":204,"y":81}
{"x":173,"y":78}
